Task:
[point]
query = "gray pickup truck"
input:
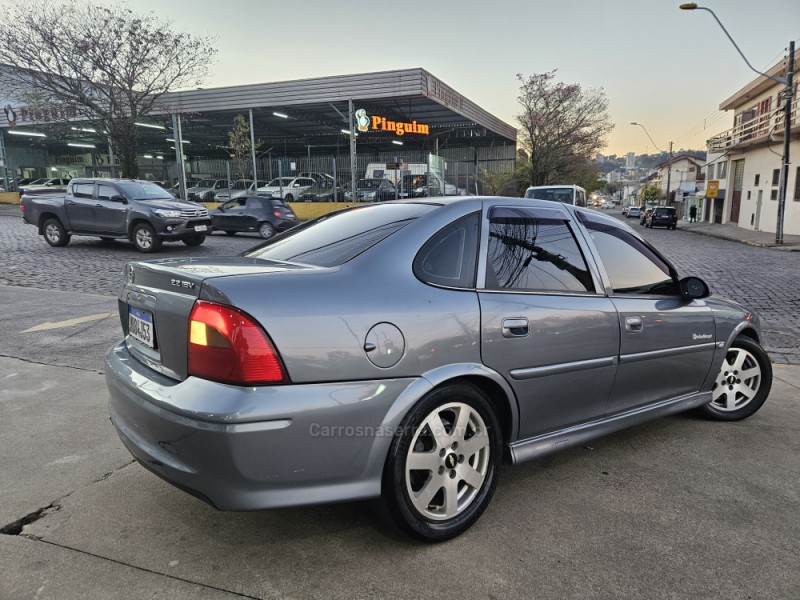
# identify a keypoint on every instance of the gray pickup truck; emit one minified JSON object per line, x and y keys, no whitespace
{"x":140,"y":211}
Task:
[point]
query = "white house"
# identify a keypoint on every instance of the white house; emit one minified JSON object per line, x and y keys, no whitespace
{"x":743,"y":169}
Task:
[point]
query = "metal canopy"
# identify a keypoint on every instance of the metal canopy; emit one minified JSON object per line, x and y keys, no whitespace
{"x":316,"y":112}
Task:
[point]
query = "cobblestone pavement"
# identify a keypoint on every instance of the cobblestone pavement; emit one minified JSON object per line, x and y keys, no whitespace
{"x":763,"y":279}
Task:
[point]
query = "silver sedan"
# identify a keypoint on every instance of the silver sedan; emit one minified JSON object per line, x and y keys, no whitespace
{"x":402,"y":350}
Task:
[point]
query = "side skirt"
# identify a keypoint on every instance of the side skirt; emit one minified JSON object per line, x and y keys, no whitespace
{"x":549,"y":443}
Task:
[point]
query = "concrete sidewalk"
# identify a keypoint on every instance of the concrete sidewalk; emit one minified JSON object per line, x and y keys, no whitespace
{"x":729,"y":231}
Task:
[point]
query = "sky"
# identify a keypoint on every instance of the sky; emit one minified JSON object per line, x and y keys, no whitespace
{"x":660,"y":66}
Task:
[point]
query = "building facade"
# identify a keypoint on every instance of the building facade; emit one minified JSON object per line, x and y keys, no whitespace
{"x":744,"y":162}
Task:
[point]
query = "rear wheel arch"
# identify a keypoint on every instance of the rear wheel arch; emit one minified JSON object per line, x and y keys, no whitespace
{"x":501,"y":402}
{"x":43,"y":219}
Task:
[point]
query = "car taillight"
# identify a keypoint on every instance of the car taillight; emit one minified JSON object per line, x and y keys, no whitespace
{"x":278,"y":213}
{"x":226,"y":345}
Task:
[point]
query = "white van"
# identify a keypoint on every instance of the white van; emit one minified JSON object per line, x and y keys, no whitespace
{"x":567,"y":194}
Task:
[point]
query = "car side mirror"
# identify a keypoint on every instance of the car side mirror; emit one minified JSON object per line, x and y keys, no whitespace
{"x":119,"y":198}
{"x":693,"y":288}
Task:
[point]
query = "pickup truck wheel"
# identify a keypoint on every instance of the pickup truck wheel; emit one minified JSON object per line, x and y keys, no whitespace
{"x":54,"y":233}
{"x":195,"y":240}
{"x":144,"y":238}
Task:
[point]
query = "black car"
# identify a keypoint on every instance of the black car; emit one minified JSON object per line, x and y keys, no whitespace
{"x":265,"y":216}
{"x":662,"y":216}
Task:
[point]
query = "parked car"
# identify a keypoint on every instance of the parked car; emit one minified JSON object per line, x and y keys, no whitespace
{"x":288,"y":188}
{"x":322,"y":178}
{"x":206,"y":190}
{"x":45,"y":182}
{"x":662,"y":216}
{"x":239,"y":188}
{"x":140,"y":211}
{"x":322,"y":192}
{"x":266,"y":216}
{"x":403,"y":349}
{"x":633,"y":211}
{"x":372,"y":190}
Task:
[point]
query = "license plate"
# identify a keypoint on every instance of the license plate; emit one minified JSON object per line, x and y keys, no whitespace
{"x":140,"y":326}
{"x":200,"y":227}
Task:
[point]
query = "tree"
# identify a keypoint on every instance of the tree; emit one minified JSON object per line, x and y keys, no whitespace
{"x":241,"y":147}
{"x":562,"y":127}
{"x":650,"y":193}
{"x":497,"y":184}
{"x":103,"y":65}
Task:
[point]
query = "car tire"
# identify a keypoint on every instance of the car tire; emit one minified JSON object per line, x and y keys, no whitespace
{"x":266,"y":230}
{"x":458,"y":461}
{"x":289,"y":198}
{"x":195,"y":240}
{"x":54,"y":233}
{"x":743,"y":382}
{"x":144,"y":238}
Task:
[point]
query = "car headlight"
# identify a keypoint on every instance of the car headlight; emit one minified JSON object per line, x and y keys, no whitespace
{"x":369,"y":195}
{"x":169,"y":214}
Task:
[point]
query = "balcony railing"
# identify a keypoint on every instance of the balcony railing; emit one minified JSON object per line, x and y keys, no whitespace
{"x":754,"y":131}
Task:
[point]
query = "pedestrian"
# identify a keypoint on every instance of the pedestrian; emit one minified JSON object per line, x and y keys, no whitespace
{"x":692,"y":214}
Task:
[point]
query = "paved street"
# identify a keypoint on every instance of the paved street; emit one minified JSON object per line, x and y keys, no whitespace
{"x":762,"y":278}
{"x":681,"y":507}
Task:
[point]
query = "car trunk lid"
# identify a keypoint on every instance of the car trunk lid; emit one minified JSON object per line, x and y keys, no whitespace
{"x":158,"y":298}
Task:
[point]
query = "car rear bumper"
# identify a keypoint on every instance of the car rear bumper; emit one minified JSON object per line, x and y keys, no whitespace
{"x":257,"y":447}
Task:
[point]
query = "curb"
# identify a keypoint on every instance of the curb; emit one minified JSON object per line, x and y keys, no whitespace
{"x":753,"y":243}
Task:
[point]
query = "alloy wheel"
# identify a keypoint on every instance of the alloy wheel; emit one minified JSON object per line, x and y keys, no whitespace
{"x":738,"y":382}
{"x":447,"y":461}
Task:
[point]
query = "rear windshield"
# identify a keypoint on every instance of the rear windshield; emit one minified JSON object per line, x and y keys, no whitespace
{"x":556,"y":194}
{"x":334,"y":239}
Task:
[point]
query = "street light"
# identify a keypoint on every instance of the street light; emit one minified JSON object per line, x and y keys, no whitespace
{"x":669,"y":163}
{"x":787,"y":118}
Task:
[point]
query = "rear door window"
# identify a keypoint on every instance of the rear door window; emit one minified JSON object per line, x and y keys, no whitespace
{"x":534,"y":251}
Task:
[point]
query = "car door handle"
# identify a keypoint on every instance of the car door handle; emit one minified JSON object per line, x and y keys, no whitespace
{"x":633,"y":324}
{"x":515,"y":327}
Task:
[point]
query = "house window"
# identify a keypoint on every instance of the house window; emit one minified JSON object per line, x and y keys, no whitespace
{"x":773,"y":195}
{"x":748,"y":194}
{"x":776,"y":176}
{"x":710,"y":171}
{"x":758,"y":178}
{"x":722,"y":170}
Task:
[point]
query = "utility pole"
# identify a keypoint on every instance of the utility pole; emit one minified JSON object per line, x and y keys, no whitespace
{"x":669,"y":173}
{"x":787,"y":130}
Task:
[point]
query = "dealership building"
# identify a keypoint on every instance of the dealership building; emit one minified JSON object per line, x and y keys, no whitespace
{"x":335,"y":125}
